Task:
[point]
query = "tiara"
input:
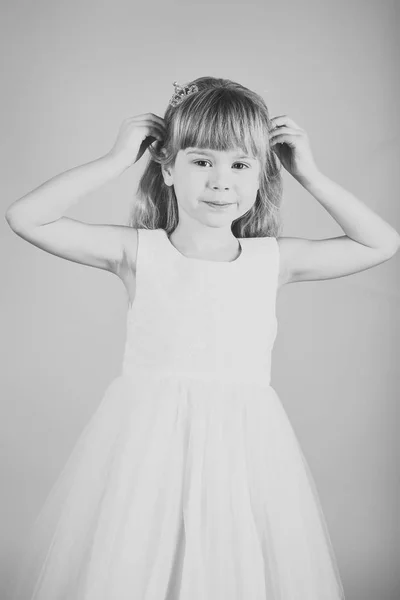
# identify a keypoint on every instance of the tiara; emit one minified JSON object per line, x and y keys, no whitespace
{"x":182,"y":92}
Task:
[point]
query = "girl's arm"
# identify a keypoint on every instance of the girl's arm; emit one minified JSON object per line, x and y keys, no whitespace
{"x":38,"y":216}
{"x":369,"y":240}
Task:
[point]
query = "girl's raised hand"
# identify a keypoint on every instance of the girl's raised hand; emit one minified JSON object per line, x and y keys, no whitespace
{"x":291,"y":144}
{"x":135,"y":135}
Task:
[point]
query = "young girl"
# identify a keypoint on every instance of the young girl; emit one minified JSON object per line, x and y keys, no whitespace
{"x":188,"y":483}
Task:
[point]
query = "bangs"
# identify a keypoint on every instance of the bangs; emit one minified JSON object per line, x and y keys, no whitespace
{"x":221,"y":119}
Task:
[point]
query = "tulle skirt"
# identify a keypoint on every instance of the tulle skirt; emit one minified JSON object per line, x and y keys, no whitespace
{"x":182,"y":489}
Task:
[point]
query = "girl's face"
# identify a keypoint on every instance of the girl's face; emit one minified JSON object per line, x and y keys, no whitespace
{"x":201,"y":175}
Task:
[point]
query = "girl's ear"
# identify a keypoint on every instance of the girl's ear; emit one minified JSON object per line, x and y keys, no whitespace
{"x":167,"y":175}
{"x":166,"y":171}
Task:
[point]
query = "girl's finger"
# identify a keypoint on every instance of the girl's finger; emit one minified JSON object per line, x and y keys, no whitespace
{"x":282,"y":138}
{"x":284,"y":130}
{"x":284,"y":120}
{"x":160,"y":130}
{"x":151,"y":118}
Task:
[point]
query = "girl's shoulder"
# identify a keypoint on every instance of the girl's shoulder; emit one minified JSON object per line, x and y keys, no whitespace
{"x":284,"y":271}
{"x":129,"y":242}
{"x":125,"y":269}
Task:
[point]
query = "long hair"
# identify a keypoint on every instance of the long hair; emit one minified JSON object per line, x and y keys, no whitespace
{"x":222,"y":115}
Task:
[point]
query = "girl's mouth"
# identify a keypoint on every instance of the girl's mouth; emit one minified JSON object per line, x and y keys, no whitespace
{"x":216,"y":205}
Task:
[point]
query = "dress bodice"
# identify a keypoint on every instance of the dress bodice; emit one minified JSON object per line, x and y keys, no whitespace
{"x":202,"y":317}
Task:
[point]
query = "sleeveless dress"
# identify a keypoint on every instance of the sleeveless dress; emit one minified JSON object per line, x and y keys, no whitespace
{"x":188,"y":482}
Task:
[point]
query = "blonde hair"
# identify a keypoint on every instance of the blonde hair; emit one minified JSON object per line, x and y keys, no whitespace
{"x":222,"y":115}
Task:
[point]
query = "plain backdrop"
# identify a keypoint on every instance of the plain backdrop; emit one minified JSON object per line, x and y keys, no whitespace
{"x":71,"y":72}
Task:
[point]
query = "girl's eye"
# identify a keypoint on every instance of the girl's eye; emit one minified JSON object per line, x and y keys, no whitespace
{"x":205,"y":161}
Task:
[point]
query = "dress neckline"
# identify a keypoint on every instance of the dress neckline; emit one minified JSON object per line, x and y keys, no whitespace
{"x":203,"y":260}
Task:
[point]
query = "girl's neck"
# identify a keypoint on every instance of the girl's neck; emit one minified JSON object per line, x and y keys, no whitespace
{"x":220,"y":244}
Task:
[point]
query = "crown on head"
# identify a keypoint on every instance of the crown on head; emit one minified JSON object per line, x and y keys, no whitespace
{"x":182,"y":92}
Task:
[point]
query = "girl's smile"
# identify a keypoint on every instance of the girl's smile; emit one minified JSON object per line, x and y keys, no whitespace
{"x":219,"y":205}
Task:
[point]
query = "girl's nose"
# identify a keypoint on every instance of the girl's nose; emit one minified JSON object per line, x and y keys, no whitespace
{"x":220,"y":187}
{"x":220,"y":180}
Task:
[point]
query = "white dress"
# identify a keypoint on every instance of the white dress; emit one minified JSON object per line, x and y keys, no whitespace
{"x":188,"y":482}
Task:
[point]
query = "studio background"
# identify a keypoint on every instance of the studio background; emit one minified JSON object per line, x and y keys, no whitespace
{"x":71,"y":73}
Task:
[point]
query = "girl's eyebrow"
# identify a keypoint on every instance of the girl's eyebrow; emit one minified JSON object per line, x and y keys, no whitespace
{"x":209,"y":152}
